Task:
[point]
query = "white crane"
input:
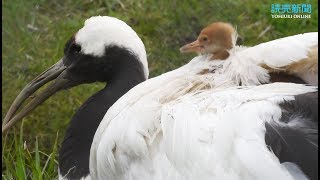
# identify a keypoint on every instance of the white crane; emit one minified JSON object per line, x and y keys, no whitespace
{"x":196,"y":122}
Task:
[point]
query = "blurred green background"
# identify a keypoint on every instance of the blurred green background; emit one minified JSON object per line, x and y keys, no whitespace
{"x":34,"y":33}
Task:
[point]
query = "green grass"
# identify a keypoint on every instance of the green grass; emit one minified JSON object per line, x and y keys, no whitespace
{"x":22,"y":163}
{"x":164,"y":26}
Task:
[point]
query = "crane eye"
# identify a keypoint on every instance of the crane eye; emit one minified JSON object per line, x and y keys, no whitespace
{"x":75,"y":48}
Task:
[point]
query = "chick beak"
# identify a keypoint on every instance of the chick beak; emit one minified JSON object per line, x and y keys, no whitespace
{"x":191,"y":47}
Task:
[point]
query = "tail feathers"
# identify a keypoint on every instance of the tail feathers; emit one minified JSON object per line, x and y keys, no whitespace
{"x":295,"y":137}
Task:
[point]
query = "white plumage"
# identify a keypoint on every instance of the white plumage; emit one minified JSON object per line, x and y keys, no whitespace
{"x":283,"y":51}
{"x":275,"y":54}
{"x":196,"y":122}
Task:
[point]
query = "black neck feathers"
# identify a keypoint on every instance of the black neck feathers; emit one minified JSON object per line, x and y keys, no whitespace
{"x":126,"y":72}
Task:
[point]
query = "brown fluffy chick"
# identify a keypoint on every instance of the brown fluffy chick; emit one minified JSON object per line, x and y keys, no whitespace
{"x":216,"y":39}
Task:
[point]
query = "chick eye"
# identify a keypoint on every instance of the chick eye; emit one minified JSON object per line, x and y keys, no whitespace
{"x":204,"y":39}
{"x":75,"y":48}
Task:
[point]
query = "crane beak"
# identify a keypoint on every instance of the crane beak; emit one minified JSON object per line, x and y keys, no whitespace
{"x":191,"y":47}
{"x":57,"y":72}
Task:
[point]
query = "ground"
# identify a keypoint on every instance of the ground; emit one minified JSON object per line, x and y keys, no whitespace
{"x":34,"y":33}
